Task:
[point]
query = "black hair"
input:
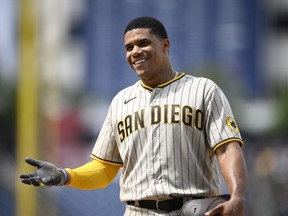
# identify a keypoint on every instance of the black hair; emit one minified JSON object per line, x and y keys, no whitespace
{"x":155,"y":26}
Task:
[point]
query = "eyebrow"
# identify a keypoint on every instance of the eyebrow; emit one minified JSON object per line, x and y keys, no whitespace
{"x":138,"y":41}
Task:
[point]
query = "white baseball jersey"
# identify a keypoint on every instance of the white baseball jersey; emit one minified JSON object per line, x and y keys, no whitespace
{"x":165,"y":137}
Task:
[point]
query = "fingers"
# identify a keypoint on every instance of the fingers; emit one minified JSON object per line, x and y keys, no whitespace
{"x":33,"y":162}
{"x":30,"y":180}
{"x":25,"y":180}
{"x":215,"y":211}
{"x":37,"y":181}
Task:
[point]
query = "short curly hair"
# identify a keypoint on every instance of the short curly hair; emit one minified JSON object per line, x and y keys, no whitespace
{"x":155,"y":26}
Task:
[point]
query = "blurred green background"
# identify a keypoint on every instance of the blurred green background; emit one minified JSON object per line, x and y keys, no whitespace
{"x":61,"y":63}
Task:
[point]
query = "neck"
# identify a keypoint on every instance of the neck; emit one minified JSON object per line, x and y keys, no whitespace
{"x":155,"y":81}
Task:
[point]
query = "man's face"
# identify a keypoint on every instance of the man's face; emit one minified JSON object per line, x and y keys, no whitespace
{"x":145,"y":52}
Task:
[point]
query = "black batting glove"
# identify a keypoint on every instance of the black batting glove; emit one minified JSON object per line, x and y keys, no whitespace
{"x":47,"y":174}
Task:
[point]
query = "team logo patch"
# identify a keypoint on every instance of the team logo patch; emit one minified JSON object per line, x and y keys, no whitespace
{"x":231,"y":123}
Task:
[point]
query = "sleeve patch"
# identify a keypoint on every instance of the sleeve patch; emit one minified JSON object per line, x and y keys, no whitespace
{"x":231,"y":123}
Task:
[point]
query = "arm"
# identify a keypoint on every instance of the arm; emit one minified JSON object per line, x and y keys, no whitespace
{"x":233,"y":167}
{"x":92,"y":175}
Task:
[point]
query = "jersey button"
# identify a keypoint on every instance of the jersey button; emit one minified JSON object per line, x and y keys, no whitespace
{"x":155,"y":158}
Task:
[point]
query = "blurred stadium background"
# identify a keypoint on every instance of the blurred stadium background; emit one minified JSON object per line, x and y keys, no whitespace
{"x":61,"y":62}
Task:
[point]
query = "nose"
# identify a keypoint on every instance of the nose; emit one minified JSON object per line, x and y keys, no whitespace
{"x":136,"y":51}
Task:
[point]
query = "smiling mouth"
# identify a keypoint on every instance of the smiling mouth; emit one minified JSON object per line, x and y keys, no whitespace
{"x":140,"y":61}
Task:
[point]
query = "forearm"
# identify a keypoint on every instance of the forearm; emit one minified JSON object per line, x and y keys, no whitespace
{"x":233,"y":167}
{"x":92,"y":175}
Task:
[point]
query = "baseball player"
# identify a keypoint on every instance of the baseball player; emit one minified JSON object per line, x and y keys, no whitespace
{"x":166,"y":132}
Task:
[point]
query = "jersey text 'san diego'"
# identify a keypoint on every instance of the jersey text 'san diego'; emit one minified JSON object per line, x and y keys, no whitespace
{"x":165,"y":138}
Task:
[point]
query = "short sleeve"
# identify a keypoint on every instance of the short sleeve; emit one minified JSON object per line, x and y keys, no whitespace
{"x":220,"y":126}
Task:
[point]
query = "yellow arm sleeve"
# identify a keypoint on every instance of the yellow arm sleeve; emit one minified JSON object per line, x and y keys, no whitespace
{"x":92,"y":175}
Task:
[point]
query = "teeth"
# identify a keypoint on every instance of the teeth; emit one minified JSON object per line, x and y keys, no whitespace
{"x":140,"y":61}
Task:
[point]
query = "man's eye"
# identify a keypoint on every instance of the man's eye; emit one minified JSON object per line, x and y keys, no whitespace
{"x":129,"y":48}
{"x":144,"y":43}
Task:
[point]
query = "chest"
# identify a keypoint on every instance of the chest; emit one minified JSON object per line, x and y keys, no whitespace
{"x":173,"y":105}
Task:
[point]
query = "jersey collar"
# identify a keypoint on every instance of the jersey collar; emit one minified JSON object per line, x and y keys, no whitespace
{"x":164,"y":84}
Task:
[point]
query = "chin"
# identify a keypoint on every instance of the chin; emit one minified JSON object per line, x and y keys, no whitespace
{"x":140,"y":73}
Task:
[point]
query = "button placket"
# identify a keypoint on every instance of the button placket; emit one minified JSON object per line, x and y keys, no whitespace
{"x":155,"y":159}
{"x":154,"y":96}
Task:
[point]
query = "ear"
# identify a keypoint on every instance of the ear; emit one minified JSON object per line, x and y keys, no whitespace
{"x":166,"y":43}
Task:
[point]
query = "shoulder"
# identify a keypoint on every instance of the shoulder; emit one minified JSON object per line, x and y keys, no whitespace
{"x":203,"y":83}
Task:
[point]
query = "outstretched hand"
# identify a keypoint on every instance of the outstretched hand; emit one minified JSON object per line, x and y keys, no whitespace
{"x":47,"y":174}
